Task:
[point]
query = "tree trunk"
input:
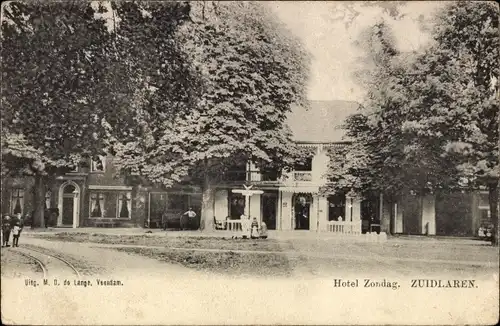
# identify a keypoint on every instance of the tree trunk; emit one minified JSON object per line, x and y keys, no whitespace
{"x":38,"y":202}
{"x":493,"y":201}
{"x":207,"y":205}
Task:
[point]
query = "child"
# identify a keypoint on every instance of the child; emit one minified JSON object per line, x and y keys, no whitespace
{"x":255,"y":229}
{"x":6,"y":227}
{"x":16,"y":232}
{"x":263,"y":230}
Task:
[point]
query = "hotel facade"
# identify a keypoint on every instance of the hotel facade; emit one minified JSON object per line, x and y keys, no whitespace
{"x":92,"y":195}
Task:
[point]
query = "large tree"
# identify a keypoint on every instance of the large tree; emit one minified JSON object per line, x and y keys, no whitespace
{"x":52,"y":60}
{"x":456,"y":95}
{"x":72,"y":84}
{"x":430,"y":120}
{"x":249,"y":72}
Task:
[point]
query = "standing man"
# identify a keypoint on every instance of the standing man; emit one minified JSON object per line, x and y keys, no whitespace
{"x":20,"y":223}
{"x":190,"y":215}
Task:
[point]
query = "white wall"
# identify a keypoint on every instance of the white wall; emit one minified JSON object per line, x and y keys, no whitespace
{"x":221,"y":208}
{"x":255,"y":209}
{"x":429,"y":215}
{"x":313,"y":218}
{"x":319,"y":168}
{"x":398,"y":218}
{"x":355,"y":210}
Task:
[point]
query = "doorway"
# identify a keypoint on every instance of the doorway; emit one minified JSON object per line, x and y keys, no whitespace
{"x":302,"y":211}
{"x":69,"y":204}
{"x":269,"y":202}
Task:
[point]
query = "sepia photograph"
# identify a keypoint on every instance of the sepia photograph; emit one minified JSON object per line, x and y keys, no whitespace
{"x":249,"y":162}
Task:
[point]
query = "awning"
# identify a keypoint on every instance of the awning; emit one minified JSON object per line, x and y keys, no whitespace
{"x":300,"y":189}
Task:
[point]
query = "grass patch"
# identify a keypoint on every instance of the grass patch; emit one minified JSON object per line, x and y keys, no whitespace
{"x":229,"y":263}
{"x":181,"y":242}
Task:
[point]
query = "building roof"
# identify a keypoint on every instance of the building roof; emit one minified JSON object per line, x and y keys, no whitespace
{"x":321,"y":122}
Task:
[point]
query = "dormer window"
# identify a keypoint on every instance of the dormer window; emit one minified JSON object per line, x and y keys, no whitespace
{"x":98,"y":164}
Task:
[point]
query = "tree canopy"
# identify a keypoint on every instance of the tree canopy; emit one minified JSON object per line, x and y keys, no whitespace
{"x":249,"y":72}
{"x":430,"y":120}
{"x":175,"y":90}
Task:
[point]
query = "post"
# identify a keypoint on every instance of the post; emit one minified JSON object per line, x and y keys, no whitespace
{"x":247,"y":193}
{"x":76,"y":206}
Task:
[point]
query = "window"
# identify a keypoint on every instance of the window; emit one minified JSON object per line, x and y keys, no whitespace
{"x":484,"y":208}
{"x":304,"y":165}
{"x":17,"y":201}
{"x":110,"y":204}
{"x":124,"y":205}
{"x":98,"y":164}
{"x":336,"y":207}
{"x":97,"y":204}
{"x":236,"y":205}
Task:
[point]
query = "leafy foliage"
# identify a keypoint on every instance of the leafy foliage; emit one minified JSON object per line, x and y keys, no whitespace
{"x":430,"y":120}
{"x":247,"y":79}
{"x":52,"y":57}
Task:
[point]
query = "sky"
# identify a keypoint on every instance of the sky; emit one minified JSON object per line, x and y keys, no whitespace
{"x":326,"y":33}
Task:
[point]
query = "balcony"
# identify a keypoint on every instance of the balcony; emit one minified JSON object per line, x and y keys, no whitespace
{"x":254,"y":177}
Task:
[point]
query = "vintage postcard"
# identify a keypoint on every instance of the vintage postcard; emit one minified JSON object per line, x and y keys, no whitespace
{"x":249,"y":163}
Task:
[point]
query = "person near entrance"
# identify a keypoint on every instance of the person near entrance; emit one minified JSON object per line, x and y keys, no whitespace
{"x":190,"y":214}
{"x":19,"y":222}
{"x":6,"y":229}
{"x":254,"y":234}
{"x":16,"y":232}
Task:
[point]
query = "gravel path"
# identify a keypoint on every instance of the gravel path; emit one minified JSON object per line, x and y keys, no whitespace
{"x":108,"y":262}
{"x":155,"y":292}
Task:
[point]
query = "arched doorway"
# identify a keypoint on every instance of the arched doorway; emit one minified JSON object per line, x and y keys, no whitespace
{"x":302,"y":211}
{"x":69,"y":205}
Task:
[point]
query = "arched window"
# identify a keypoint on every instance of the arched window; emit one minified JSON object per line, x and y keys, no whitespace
{"x":69,"y":189}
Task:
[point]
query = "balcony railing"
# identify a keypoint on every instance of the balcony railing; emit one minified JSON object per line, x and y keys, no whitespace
{"x":302,"y":176}
{"x":344,"y":227}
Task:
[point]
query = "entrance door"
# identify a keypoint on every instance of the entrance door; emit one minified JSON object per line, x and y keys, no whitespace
{"x":68,"y":210}
{"x":69,"y":196}
{"x":269,"y":201}
{"x":412,"y":210}
{"x":302,"y":206}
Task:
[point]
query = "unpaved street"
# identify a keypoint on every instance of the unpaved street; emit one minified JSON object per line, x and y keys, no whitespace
{"x":148,"y":280}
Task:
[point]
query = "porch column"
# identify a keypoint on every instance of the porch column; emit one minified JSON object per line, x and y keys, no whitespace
{"x":279,"y":210}
{"x":323,"y":213}
{"x":385,"y":215}
{"x":398,"y":218}
{"x":285,"y":220}
{"x":349,"y":206}
{"x":314,"y":218}
{"x":428,"y":225}
{"x":76,"y":208}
